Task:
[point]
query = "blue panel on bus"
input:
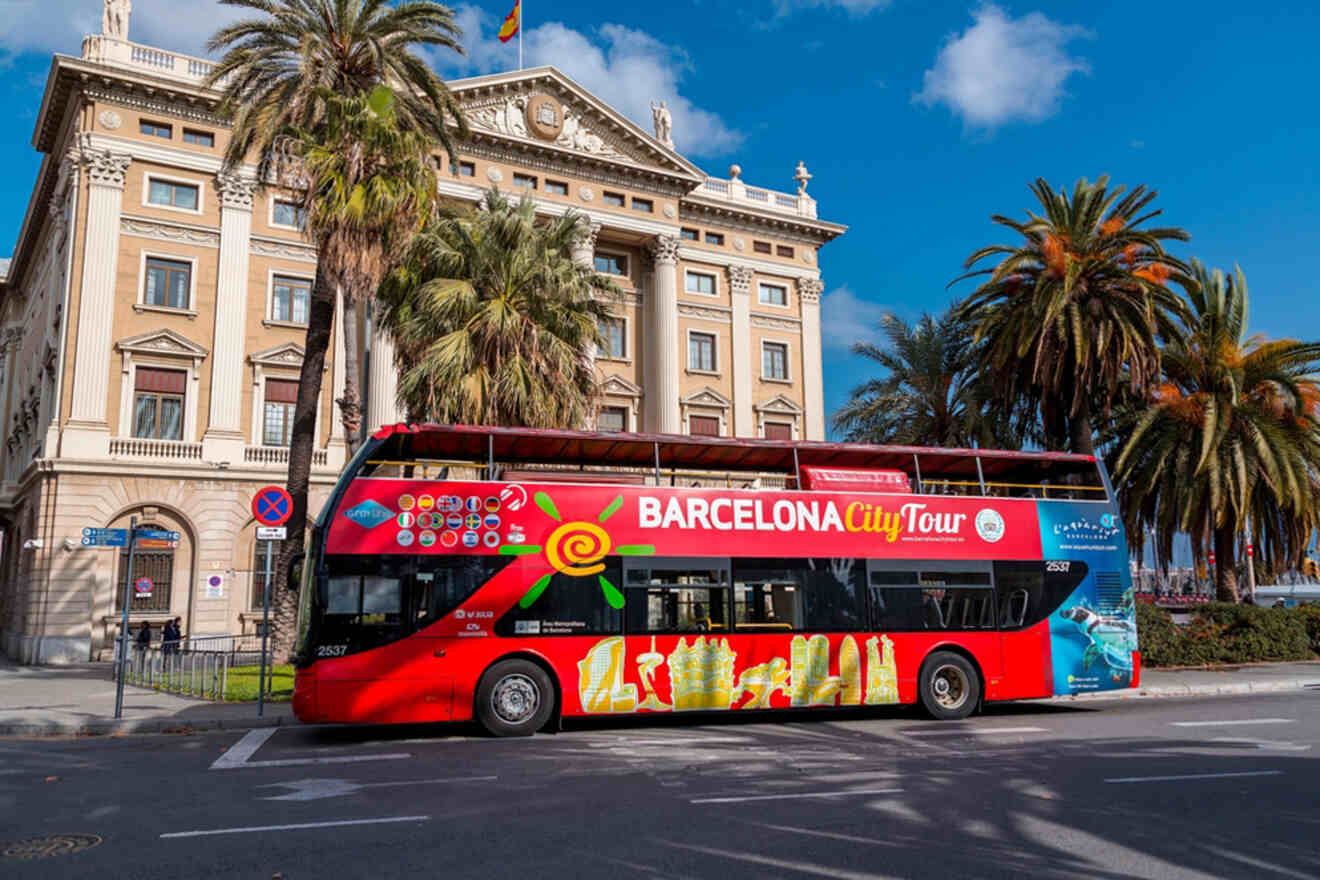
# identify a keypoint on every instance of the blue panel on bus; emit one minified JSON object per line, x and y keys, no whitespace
{"x":369,"y":514}
{"x":1094,"y":632}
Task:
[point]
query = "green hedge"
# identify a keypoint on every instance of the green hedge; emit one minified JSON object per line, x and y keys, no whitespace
{"x":1226,"y":633}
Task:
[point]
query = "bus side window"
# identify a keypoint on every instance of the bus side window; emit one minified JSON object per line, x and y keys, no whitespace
{"x":1029,"y":591}
{"x":443,"y":583}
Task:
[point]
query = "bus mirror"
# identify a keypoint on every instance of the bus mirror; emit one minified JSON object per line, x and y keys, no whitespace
{"x":295,"y":571}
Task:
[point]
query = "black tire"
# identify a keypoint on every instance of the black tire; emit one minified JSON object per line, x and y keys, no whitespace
{"x":949,"y":686}
{"x":514,"y":698}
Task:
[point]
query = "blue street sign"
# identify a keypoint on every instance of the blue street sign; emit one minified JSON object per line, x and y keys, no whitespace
{"x":157,"y":534}
{"x":105,"y":537}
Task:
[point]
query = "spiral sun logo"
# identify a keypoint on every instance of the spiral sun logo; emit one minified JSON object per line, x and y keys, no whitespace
{"x":578,"y":549}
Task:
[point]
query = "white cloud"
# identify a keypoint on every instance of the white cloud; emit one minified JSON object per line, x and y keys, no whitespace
{"x":854,"y":7}
{"x":1003,"y":69}
{"x":45,"y":26}
{"x":624,"y":67}
{"x":846,"y":318}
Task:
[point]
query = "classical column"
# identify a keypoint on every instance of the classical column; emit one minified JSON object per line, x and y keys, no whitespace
{"x":382,"y":383}
{"x":223,"y":440}
{"x":584,"y":249}
{"x":809,"y":290}
{"x":338,"y":447}
{"x":662,"y":369}
{"x":87,"y":434}
{"x":740,"y":292}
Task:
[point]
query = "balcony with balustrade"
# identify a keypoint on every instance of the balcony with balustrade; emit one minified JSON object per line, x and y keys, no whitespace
{"x":135,"y":56}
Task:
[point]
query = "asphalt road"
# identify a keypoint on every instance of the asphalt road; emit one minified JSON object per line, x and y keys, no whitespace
{"x":1179,"y":788}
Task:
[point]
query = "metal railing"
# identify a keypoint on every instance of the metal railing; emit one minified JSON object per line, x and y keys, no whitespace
{"x":203,"y":674}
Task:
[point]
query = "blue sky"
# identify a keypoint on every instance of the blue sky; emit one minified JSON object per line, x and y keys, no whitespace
{"x":918,"y":119}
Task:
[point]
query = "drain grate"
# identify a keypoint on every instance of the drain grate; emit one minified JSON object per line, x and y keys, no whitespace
{"x":46,"y":847}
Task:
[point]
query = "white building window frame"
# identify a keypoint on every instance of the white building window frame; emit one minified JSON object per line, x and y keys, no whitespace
{"x":130,"y":361}
{"x":607,"y":252}
{"x":270,"y":214}
{"x":149,"y":176}
{"x":788,"y":361}
{"x":259,"y":412}
{"x":618,"y":391}
{"x":627,"y":342}
{"x":780,"y":409}
{"x":715,"y":352}
{"x":628,"y":416}
{"x":269,"y":316}
{"x":713,"y":276}
{"x":761,"y":300}
{"x":709,"y":403}
{"x":266,"y":366}
{"x":141,"y":304}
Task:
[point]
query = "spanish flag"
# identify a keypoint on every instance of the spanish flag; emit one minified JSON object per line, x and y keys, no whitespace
{"x":511,"y":23}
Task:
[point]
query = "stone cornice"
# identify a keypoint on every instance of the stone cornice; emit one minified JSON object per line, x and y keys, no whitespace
{"x":760,"y":267}
{"x":694,"y":209}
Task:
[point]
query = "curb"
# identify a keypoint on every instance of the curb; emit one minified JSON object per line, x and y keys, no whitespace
{"x":145,"y":725}
{"x":1196,"y":690}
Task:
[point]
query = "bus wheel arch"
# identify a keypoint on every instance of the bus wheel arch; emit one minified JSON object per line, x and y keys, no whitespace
{"x":951,"y":683}
{"x":522,"y":672}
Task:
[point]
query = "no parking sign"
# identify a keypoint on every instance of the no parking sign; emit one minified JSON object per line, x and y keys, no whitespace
{"x":142,"y":588}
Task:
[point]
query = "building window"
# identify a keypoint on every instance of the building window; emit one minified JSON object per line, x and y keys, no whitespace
{"x":556,"y":187}
{"x":704,"y":426}
{"x":172,"y":195}
{"x":774,"y":360}
{"x":167,"y":283}
{"x":646,"y":206}
{"x":289,"y":299}
{"x":612,"y":419}
{"x":524,"y":181}
{"x":774,"y":295}
{"x":277,"y":423}
{"x":783,"y":250}
{"x":260,"y":551}
{"x":611,"y":264}
{"x":701,"y":352}
{"x":158,"y":403}
{"x":715,"y":238}
{"x":700,"y":282}
{"x":761,"y":247}
{"x":156,"y":129}
{"x":690,"y":234}
{"x":615,"y":332}
{"x":467,"y":169}
{"x":288,"y":214}
{"x":157,"y":565}
{"x":778,"y":431}
{"x":614,"y":200}
{"x":199,"y":138}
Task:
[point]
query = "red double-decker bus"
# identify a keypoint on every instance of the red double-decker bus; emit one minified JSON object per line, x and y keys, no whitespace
{"x":521,"y":576}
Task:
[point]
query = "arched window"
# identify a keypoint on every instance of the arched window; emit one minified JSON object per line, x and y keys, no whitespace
{"x":259,"y":551}
{"x":156,"y":564}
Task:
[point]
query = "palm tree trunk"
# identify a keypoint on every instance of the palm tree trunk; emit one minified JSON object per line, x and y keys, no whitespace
{"x":1081,"y":438}
{"x":320,"y":325}
{"x":1225,"y":565}
{"x":350,"y":405}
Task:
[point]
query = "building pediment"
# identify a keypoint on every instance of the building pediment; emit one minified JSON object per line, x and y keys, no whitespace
{"x":779,"y":404}
{"x":543,"y":109}
{"x":290,"y":354}
{"x":162,"y":342}
{"x":618,"y":386}
{"x":707,"y":397}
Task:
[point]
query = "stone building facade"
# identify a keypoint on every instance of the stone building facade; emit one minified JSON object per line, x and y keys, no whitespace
{"x":152,"y":320}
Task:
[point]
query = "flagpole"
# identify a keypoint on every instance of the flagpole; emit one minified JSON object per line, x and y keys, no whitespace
{"x":520,"y":30}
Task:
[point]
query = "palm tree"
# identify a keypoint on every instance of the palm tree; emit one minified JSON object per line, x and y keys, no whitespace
{"x":932,"y":394}
{"x":1228,"y":444}
{"x":285,"y":77}
{"x":494,"y":322}
{"x":1075,"y":310}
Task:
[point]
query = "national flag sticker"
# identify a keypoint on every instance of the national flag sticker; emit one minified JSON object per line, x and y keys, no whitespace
{"x":407,"y":502}
{"x":453,"y":504}
{"x":470,"y":538}
{"x":426,"y":538}
{"x":473,"y":521}
{"x":473,"y":504}
{"x":454,"y":521}
{"x":492,"y":504}
{"x":405,"y":520}
{"x":405,"y":538}
{"x":425,"y":502}
{"x":424,"y":520}
{"x":449,"y":539}
{"x":492,"y":521}
{"x":491,"y":539}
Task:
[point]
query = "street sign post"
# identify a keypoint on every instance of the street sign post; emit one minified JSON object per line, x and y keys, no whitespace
{"x":105,"y":537}
{"x":129,"y":535}
{"x":271,"y":507}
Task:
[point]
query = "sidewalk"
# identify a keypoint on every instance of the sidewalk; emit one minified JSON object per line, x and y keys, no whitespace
{"x":80,"y":700}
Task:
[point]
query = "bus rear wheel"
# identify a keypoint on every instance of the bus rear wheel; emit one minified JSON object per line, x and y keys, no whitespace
{"x":950,"y":688}
{"x":514,"y":698}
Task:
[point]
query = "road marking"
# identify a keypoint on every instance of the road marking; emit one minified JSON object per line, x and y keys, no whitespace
{"x":1233,"y":722}
{"x":1196,"y":776}
{"x":315,"y":789}
{"x":778,"y":797}
{"x":1281,"y":745}
{"x":978,"y":731}
{"x":238,"y":754}
{"x":255,"y":828}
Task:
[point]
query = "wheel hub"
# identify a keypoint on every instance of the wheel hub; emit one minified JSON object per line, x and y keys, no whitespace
{"x":515,"y":698}
{"x":950,"y":686}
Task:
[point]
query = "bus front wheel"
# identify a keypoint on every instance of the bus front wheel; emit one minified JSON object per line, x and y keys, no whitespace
{"x":950,"y":687}
{"x":514,"y":698}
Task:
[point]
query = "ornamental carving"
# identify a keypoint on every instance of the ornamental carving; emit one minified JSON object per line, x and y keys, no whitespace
{"x":589,"y":232}
{"x":766,"y":322}
{"x":739,"y":243}
{"x":810,"y":289}
{"x":268,"y":248}
{"x":740,"y":279}
{"x":671,"y":212}
{"x":545,"y":117}
{"x":168,"y":232}
{"x":586,"y":193}
{"x":511,"y":118}
{"x":235,"y":191}
{"x":664,"y":250}
{"x":102,"y":166}
{"x":705,"y":313}
{"x":110,"y":120}
{"x":494,"y":175}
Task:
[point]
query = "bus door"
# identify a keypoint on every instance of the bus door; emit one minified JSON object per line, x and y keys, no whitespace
{"x":677,"y":624}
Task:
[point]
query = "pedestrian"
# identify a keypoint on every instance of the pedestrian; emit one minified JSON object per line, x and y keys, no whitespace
{"x":169,"y":638}
{"x":143,"y":642}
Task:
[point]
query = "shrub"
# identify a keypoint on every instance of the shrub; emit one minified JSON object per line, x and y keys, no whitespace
{"x":1158,"y":636}
{"x":1310,"y":615}
{"x":1226,"y":633}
